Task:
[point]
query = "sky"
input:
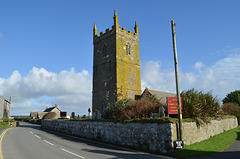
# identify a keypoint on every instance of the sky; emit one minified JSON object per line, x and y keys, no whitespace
{"x":46,"y":48}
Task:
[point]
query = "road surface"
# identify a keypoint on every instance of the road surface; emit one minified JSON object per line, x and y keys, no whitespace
{"x":30,"y":142}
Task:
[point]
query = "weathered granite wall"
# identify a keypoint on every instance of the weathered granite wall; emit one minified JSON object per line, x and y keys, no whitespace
{"x":147,"y":136}
{"x":193,"y":133}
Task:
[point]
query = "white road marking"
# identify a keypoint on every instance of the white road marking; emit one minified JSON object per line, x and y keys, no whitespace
{"x":72,"y":153}
{"x":61,"y":148}
{"x":37,"y":136}
{"x":48,"y":142}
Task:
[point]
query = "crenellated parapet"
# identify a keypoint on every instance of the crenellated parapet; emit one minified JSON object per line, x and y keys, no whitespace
{"x":103,"y":35}
{"x":116,"y":29}
{"x":125,"y":33}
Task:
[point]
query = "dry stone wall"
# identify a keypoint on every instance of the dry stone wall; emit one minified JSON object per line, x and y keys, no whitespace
{"x":146,"y":136}
{"x":194,"y":133}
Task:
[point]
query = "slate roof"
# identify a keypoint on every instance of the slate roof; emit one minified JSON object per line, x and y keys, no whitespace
{"x":159,"y":94}
{"x":51,"y":108}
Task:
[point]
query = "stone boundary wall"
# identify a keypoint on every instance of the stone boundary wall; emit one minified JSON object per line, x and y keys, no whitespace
{"x":193,"y":133}
{"x":146,"y":136}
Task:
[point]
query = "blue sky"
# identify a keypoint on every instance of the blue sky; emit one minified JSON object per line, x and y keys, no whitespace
{"x":46,"y":47}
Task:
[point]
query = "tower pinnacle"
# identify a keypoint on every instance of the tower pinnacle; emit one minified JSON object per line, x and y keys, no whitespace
{"x":136,"y":28}
{"x":95,"y":30}
{"x":115,"y":19}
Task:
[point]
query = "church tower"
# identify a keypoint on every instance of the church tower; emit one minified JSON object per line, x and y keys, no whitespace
{"x":116,"y":66}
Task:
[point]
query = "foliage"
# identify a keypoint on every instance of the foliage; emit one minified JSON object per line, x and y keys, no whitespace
{"x":130,"y":109}
{"x":233,"y":97}
{"x":22,"y":118}
{"x":199,"y":105}
{"x":50,"y":115}
{"x":4,"y":124}
{"x":153,"y":99}
{"x":215,"y":144}
{"x":36,"y":121}
{"x":7,"y":120}
{"x":28,"y":119}
{"x":138,"y":120}
{"x":231,"y":109}
{"x":156,"y":120}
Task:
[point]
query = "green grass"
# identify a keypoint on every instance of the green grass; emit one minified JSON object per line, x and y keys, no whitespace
{"x":4,"y":125}
{"x":7,"y":120}
{"x":215,"y":144}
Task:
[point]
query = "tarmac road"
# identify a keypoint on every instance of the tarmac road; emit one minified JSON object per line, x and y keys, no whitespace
{"x":30,"y":142}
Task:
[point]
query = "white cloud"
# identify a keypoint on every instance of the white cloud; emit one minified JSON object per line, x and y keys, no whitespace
{"x":222,"y":77}
{"x":154,"y":77}
{"x":198,"y":65}
{"x":40,"y":88}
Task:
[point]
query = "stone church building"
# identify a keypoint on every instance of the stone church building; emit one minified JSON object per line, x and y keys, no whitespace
{"x":116,"y":66}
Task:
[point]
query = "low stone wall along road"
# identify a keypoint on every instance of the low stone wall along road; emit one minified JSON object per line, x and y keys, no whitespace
{"x":30,"y":142}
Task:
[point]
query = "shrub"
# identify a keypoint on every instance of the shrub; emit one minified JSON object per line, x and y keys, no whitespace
{"x":231,"y":109}
{"x":50,"y":115}
{"x":131,"y":109}
{"x":22,"y":118}
{"x":7,"y":120}
{"x":110,"y":112}
{"x":199,"y":105}
{"x":233,"y":97}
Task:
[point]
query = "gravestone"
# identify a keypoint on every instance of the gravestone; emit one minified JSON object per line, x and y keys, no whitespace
{"x":161,"y":112}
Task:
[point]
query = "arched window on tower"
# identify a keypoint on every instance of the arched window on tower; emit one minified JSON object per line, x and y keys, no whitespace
{"x":128,"y":49}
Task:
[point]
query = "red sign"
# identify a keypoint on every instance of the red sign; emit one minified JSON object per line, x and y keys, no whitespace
{"x":172,"y":105}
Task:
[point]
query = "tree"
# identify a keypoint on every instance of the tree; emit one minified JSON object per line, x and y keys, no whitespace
{"x":233,"y":97}
{"x":231,"y":109}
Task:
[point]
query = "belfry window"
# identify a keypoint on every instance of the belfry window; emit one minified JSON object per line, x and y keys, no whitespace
{"x":128,"y":49}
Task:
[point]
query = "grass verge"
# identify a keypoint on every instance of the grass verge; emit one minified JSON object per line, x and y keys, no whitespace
{"x":215,"y":144}
{"x":4,"y":125}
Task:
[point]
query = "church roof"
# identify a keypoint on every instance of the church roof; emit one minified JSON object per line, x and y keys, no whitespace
{"x":160,"y":95}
